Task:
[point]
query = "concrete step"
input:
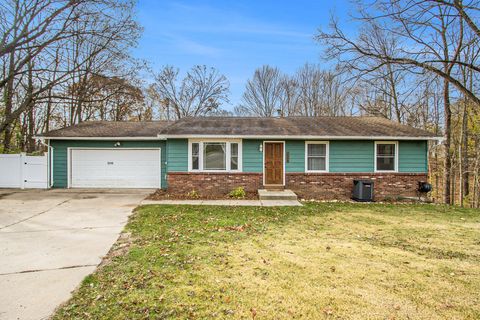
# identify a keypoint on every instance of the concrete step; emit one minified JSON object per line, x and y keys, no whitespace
{"x":276,"y":195}
{"x":274,"y":187}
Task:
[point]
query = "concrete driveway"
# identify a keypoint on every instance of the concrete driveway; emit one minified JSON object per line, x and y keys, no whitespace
{"x":50,"y":240}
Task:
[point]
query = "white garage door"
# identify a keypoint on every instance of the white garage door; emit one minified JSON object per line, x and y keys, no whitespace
{"x":115,"y":168}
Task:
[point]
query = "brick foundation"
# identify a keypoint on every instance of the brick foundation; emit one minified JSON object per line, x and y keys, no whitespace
{"x":213,"y":183}
{"x":321,"y":186}
{"x":329,"y":186}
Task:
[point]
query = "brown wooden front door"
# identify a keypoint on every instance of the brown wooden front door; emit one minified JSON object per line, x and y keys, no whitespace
{"x":273,"y":163}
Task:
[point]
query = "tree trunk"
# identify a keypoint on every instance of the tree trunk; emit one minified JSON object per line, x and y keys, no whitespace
{"x":447,"y":143}
{"x":393,"y":94}
{"x":7,"y":139}
{"x":30,"y":113}
{"x":48,"y":112}
{"x":8,"y":98}
{"x":464,"y":143}
{"x":30,"y":131}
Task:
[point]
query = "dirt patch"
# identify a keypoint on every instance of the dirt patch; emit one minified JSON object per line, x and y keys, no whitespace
{"x":120,"y":248}
{"x":166,"y":195}
{"x":4,"y":195}
{"x":87,"y":197}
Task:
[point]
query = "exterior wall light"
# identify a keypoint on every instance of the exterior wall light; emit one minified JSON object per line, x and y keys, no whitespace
{"x":260,"y":147}
{"x":117,"y":144}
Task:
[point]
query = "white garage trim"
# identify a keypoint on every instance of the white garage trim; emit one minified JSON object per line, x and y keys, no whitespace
{"x":69,"y":163}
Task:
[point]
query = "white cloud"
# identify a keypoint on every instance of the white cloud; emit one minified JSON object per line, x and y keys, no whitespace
{"x":207,"y":19}
{"x":197,"y":48}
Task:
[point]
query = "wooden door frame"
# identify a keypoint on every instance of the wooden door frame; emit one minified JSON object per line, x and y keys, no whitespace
{"x":263,"y":162}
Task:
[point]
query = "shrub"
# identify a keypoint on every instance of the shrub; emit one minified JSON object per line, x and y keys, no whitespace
{"x":193,"y":194}
{"x":238,"y":193}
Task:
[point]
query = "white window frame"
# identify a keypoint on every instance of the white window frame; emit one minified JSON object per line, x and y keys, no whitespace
{"x":395,"y":162}
{"x":327,"y":155}
{"x":227,"y":151}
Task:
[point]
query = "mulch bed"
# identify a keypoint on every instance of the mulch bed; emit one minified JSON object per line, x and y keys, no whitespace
{"x":161,"y":194}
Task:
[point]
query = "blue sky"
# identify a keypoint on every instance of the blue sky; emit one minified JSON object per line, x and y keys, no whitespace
{"x":235,"y":37}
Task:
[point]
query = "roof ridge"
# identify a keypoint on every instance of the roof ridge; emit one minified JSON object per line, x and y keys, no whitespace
{"x":276,"y":118}
{"x":322,"y":126}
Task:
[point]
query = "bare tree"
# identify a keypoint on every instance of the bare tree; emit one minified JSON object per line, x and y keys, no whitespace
{"x":48,"y":46}
{"x":464,"y":10}
{"x":321,"y":92}
{"x":431,"y":40}
{"x":154,"y":102}
{"x":199,"y":93}
{"x":413,"y":21}
{"x":289,"y":99}
{"x":311,"y":91}
{"x":390,"y":82}
{"x":310,"y":81}
{"x":263,"y":93}
{"x":32,"y":26}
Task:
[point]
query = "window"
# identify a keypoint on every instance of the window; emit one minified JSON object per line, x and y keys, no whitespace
{"x":212,"y":155}
{"x":385,"y":156}
{"x":195,"y":156}
{"x":316,"y":156}
{"x":234,"y":156}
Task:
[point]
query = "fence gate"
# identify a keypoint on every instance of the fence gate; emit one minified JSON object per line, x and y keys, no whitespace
{"x":22,"y":171}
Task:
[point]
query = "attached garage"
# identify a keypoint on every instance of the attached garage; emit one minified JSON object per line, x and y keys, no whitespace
{"x":103,"y":154}
{"x":115,"y":168}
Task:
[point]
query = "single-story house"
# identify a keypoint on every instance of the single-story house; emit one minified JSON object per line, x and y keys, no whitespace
{"x":316,"y":157}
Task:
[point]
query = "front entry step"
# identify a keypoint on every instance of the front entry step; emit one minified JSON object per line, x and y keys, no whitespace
{"x":276,"y":194}
{"x":274,"y":187}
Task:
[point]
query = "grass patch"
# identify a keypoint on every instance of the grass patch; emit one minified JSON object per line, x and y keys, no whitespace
{"x":320,"y":261}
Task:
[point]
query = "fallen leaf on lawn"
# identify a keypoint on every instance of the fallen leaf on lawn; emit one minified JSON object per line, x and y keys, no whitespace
{"x":328,"y":311}
{"x":228,"y":311}
{"x":254,"y":313}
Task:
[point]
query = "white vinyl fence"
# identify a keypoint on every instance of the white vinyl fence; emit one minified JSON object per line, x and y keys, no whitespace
{"x":22,"y":171}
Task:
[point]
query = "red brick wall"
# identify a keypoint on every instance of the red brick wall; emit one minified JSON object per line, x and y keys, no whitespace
{"x":212,"y":183}
{"x":329,"y":186}
{"x":321,"y":186}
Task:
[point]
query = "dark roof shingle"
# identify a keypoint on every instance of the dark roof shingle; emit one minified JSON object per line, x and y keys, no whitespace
{"x":109,"y":129}
{"x":245,"y":126}
{"x":294,"y":126}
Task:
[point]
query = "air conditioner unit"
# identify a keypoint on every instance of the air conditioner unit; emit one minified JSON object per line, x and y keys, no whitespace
{"x":362,"y":190}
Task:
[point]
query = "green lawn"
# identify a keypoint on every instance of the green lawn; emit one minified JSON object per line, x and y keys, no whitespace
{"x":332,"y":261}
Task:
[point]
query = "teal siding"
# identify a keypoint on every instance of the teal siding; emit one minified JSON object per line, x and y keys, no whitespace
{"x":345,"y":156}
{"x":252,"y":157}
{"x":295,"y":156}
{"x":351,"y":156}
{"x":60,"y":165}
{"x":413,"y":156}
{"x":177,"y":155}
